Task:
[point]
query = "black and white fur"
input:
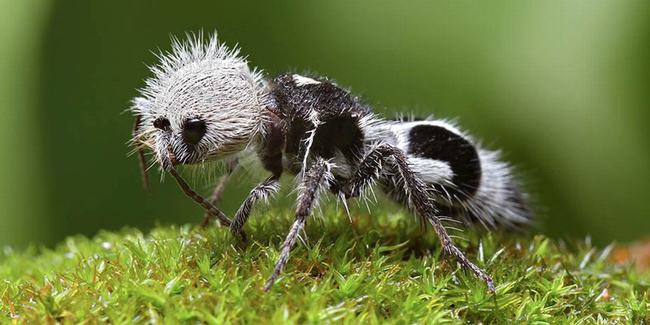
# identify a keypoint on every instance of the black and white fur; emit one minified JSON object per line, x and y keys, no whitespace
{"x":205,"y":103}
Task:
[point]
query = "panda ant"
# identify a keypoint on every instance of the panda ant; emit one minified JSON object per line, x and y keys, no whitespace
{"x":205,"y":103}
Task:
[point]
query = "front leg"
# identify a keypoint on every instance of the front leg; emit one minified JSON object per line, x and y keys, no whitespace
{"x":417,"y":197}
{"x":313,"y":182}
{"x":218,"y":189}
{"x":261,"y":192}
{"x":221,"y":217}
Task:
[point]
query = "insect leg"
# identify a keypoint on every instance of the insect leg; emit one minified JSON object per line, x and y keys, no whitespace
{"x":142,"y":161}
{"x":261,"y":192}
{"x":218,"y":190}
{"x":367,"y":172}
{"x":417,"y":196}
{"x":221,"y":217}
{"x":314,"y":180}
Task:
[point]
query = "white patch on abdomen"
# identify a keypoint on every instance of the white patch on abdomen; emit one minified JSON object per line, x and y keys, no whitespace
{"x":302,"y":81}
{"x":431,"y":171}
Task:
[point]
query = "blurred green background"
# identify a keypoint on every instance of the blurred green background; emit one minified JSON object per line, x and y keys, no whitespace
{"x":562,"y":87}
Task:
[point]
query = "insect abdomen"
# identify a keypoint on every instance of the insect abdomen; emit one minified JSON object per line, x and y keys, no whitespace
{"x":439,"y":143}
{"x":472,"y":183}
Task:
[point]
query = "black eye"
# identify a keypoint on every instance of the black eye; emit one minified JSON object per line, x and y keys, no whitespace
{"x":193,"y":131}
{"x":161,"y":123}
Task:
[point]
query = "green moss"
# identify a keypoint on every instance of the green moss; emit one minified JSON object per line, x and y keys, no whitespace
{"x":375,"y":270}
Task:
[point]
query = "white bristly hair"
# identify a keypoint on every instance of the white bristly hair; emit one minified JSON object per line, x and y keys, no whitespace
{"x":497,"y":201}
{"x":204,"y":80}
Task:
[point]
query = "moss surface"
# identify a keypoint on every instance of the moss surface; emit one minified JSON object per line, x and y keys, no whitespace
{"x":377,"y":269}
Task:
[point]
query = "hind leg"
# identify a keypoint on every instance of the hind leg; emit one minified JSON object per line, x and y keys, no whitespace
{"x":415,"y":193}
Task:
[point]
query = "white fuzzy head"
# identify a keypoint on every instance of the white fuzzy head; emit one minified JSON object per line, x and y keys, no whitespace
{"x":203,"y":102}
